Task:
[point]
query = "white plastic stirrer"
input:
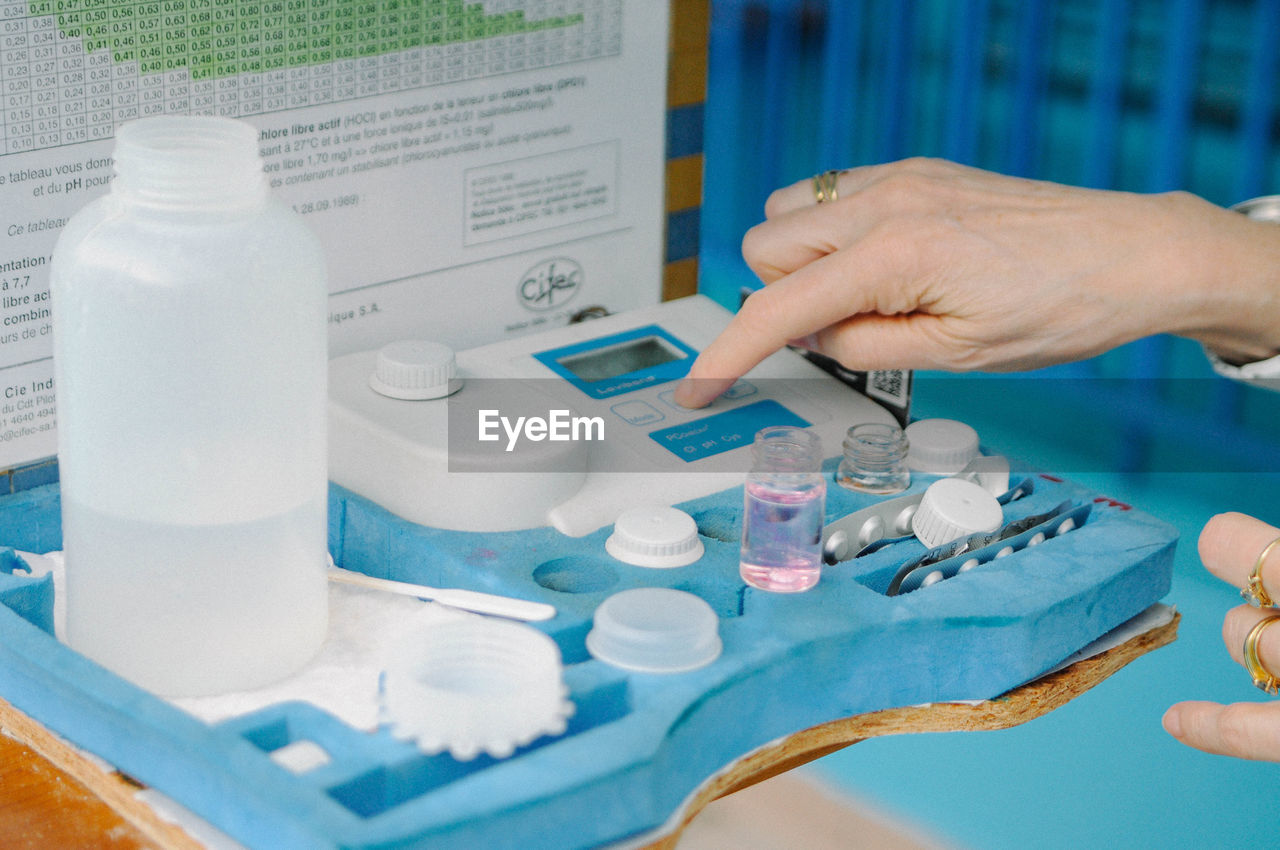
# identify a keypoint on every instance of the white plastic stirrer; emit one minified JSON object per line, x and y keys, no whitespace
{"x":467,"y":600}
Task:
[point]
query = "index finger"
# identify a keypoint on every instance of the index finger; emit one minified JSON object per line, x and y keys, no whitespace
{"x":809,"y":299}
{"x":1231,"y":544}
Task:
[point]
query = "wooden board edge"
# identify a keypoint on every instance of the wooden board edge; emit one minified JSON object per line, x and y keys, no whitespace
{"x":1014,"y":708}
{"x":114,"y":789}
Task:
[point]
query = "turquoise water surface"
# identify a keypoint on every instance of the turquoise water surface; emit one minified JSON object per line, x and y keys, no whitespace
{"x":1099,"y":771}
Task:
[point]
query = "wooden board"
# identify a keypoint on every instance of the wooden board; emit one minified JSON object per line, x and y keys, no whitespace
{"x":51,"y":795}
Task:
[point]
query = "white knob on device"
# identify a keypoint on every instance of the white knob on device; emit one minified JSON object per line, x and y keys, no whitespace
{"x":415,"y":370}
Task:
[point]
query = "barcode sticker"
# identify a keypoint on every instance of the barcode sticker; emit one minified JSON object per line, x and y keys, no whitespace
{"x":890,"y":388}
{"x":888,"y":385}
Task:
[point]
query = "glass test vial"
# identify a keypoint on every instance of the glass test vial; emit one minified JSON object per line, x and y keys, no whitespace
{"x":875,"y":459}
{"x":785,"y":495}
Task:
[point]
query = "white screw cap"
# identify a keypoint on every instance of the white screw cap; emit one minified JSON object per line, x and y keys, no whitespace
{"x":953,"y":508}
{"x":415,"y":370}
{"x":940,"y":446}
{"x":655,"y":630}
{"x":474,"y":685}
{"x":655,"y":536}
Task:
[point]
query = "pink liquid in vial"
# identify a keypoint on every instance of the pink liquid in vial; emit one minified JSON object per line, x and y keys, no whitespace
{"x":782,"y":535}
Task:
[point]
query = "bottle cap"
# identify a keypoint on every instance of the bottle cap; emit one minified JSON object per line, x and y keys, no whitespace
{"x":655,"y":536}
{"x":415,"y":370}
{"x":953,"y":508}
{"x":940,"y":446}
{"x":655,"y":630}
{"x":474,"y":685}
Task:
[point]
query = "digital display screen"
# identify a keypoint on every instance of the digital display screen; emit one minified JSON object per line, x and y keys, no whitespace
{"x":621,"y":359}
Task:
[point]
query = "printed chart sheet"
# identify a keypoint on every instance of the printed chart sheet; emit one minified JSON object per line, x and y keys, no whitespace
{"x":474,"y":169}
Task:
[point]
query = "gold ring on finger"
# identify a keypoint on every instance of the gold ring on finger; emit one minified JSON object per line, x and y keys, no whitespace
{"x":1253,"y":592}
{"x":826,"y":186}
{"x":1263,"y":679}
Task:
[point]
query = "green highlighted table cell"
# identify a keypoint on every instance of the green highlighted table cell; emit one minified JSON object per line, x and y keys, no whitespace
{"x":249,"y":57}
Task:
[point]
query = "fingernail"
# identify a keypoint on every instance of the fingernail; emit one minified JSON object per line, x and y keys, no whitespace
{"x":809,"y":343}
{"x":1172,"y":722}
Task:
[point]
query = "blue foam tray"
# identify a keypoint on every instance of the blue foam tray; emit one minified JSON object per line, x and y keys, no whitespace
{"x":639,"y":744}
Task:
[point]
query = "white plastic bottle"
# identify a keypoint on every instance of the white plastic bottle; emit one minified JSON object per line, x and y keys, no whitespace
{"x":189,"y":360}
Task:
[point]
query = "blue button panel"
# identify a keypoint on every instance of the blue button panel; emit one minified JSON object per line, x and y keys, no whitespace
{"x":723,"y":432}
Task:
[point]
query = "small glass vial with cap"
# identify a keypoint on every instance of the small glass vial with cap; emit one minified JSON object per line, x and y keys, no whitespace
{"x":875,"y":459}
{"x":784,"y":500}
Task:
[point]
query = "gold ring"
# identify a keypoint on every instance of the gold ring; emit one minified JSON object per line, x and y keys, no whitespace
{"x":825,"y":186}
{"x":1253,"y":592}
{"x":1262,"y":677}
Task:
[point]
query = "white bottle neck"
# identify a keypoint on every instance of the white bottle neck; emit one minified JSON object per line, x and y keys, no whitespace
{"x":189,"y":163}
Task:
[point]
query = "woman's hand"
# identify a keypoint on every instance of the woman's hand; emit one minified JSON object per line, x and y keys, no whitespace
{"x":1229,"y":546}
{"x":928,"y":264}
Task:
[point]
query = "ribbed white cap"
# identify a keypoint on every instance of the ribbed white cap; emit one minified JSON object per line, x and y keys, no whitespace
{"x":940,"y":446}
{"x":655,"y":630}
{"x":414,"y":370}
{"x":953,"y":508}
{"x":655,"y":536}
